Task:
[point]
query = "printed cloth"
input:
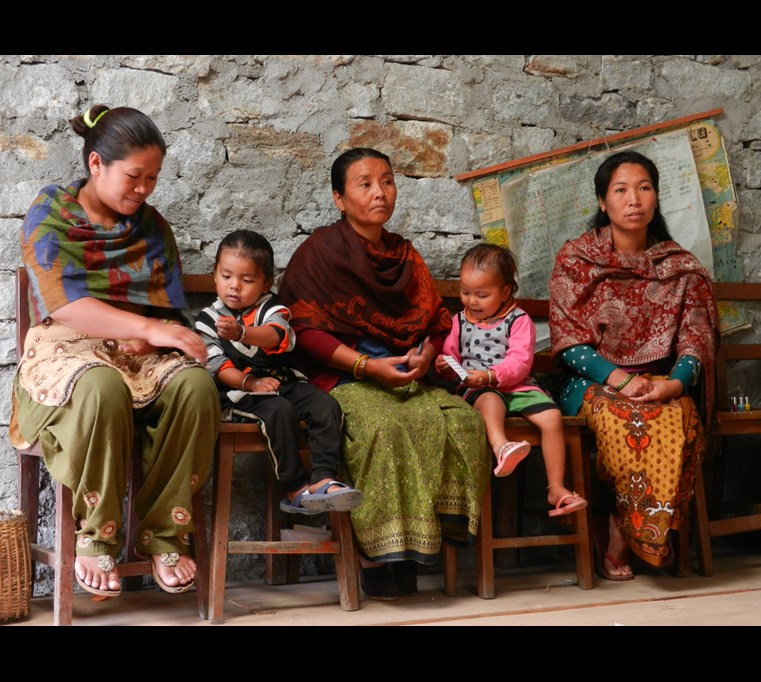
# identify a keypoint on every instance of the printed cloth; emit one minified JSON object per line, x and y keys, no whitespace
{"x":69,"y":258}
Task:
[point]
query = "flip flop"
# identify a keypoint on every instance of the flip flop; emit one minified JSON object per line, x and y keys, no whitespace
{"x":295,"y":505}
{"x":601,"y":536}
{"x":321,"y":500}
{"x":561,"y":509}
{"x":511,"y":454}
{"x":617,"y":564}
{"x":105,"y":563}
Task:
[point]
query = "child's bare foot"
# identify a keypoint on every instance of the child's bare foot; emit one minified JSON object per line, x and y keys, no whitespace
{"x":97,"y":574}
{"x":331,"y":489}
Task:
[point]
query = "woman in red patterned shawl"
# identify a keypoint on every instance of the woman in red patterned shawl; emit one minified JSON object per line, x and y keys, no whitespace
{"x":369,"y":323}
{"x":633,"y":319}
{"x":108,"y":354}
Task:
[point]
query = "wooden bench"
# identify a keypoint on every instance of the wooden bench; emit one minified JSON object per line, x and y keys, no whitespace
{"x":717,"y":516}
{"x":281,"y":558}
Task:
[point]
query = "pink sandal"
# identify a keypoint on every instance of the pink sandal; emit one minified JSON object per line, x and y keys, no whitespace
{"x":577,"y":503}
{"x":509,"y":455}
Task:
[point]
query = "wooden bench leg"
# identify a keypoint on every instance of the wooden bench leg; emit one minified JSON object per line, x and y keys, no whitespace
{"x":508,"y":499}
{"x":485,"y":549}
{"x":450,"y":569}
{"x":580,"y":473}
{"x":347,"y":562}
{"x":63,"y":584}
{"x":279,"y":569}
{"x":702,"y":535}
{"x":201,"y":553}
{"x":223,"y":474}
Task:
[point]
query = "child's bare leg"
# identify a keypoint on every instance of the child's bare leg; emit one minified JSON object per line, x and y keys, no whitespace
{"x":508,"y":453}
{"x":550,"y":423}
{"x":493,"y":411}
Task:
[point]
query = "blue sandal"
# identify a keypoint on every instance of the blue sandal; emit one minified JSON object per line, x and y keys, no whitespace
{"x":294,"y":506}
{"x":321,"y":500}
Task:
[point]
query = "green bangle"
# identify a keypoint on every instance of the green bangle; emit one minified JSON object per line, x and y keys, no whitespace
{"x":629,"y":377}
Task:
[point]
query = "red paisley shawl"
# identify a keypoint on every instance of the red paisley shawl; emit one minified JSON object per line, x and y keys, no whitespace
{"x":338,"y":282}
{"x":633,"y":308}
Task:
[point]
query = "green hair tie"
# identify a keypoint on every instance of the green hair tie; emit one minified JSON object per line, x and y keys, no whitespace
{"x":88,"y":122}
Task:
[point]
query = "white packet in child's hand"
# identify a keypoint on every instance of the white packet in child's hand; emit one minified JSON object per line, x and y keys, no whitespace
{"x":456,"y":366}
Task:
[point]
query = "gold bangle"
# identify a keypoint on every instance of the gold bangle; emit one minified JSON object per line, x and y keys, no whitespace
{"x":243,"y":383}
{"x":628,"y":378}
{"x":492,"y":382}
{"x":362,"y":367}
{"x":242,"y":333}
{"x":358,"y":366}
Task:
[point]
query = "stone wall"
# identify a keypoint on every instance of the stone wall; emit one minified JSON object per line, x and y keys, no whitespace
{"x":251,"y":139}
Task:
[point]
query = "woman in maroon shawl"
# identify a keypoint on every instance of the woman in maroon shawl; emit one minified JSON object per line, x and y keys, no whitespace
{"x":633,"y":319}
{"x":369,"y":323}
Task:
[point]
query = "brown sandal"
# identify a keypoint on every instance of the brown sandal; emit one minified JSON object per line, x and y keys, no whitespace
{"x":170,"y":559}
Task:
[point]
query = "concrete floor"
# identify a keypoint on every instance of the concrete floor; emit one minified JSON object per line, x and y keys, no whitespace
{"x":526,"y":596}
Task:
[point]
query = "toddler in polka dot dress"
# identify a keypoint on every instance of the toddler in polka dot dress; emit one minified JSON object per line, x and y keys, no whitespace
{"x":493,"y":340}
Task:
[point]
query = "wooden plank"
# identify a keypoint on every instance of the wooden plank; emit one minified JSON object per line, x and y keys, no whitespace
{"x":737,"y":524}
{"x":282,"y":547}
{"x":741,"y":351}
{"x":737,"y":291}
{"x":198,"y":284}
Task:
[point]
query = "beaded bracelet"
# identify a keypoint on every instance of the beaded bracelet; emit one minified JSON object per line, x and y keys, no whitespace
{"x":629,"y":377}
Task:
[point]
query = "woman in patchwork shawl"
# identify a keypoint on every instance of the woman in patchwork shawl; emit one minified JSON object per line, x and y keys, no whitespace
{"x":110,"y":353}
{"x":369,"y":323}
{"x":634,"y":321}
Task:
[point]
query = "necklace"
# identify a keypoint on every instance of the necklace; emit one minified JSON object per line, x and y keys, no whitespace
{"x":490,"y":320}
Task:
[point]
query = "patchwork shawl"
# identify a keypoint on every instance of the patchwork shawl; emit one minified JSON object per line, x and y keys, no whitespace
{"x":69,"y":258}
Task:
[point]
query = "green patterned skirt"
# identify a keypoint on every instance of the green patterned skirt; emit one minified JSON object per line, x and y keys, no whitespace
{"x":421,"y":460}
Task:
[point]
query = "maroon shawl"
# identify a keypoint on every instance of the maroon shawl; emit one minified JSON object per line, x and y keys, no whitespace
{"x":633,"y":308}
{"x":339,"y":283}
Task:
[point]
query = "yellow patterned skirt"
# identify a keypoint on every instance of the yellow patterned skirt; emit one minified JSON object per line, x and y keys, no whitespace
{"x":648,"y":454}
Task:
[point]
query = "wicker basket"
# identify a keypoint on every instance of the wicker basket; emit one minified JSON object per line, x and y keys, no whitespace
{"x":15,"y":565}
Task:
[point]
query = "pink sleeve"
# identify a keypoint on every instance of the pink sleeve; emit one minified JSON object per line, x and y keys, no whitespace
{"x":452,"y":342}
{"x":516,"y":366}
